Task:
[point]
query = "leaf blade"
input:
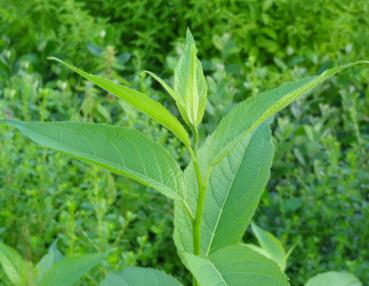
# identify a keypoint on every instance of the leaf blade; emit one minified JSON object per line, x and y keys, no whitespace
{"x":138,"y":100}
{"x":334,"y":278}
{"x":190,"y":84}
{"x":123,"y":151}
{"x":133,"y":276}
{"x":14,"y":266}
{"x":238,"y":181}
{"x":251,"y":113}
{"x":235,"y":266}
{"x":271,"y":245}
{"x":70,"y":270}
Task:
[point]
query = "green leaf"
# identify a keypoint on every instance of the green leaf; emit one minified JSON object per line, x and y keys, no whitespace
{"x":70,"y":270}
{"x":233,"y":192}
{"x":14,"y":266}
{"x":123,"y":151}
{"x":164,"y":85}
{"x":53,"y":256}
{"x":272,"y":246}
{"x":334,"y":279}
{"x":235,"y":266}
{"x":138,"y":100}
{"x":190,"y":84}
{"x":134,"y":276}
{"x":247,"y":116}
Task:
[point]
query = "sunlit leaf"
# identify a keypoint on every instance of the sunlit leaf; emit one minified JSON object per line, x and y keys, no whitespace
{"x":123,"y":151}
{"x":53,"y":256}
{"x":190,"y":85}
{"x":14,"y":266}
{"x":138,"y":100}
{"x":233,"y":192}
{"x":247,"y":116}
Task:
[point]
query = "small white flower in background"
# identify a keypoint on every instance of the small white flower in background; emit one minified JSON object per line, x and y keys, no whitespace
{"x":64,"y":85}
{"x":352,"y":89}
{"x":102,"y":34}
{"x":220,"y":67}
{"x":348,"y":48}
{"x":7,"y":53}
{"x":290,"y":51}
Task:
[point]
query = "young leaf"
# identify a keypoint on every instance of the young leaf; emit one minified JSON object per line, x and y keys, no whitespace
{"x":235,"y":266}
{"x":248,"y":115}
{"x":334,"y":279}
{"x":134,"y":276}
{"x":138,"y":100}
{"x":14,"y":266}
{"x":123,"y":151}
{"x":164,"y":85}
{"x":233,"y":191}
{"x":271,"y":245}
{"x":70,"y":270}
{"x":190,"y":85}
{"x":53,"y":256}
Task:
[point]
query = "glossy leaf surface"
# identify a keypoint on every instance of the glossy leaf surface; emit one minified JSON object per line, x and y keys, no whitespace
{"x":190,"y":85}
{"x":233,"y":192}
{"x":14,"y":266}
{"x":123,"y":151}
{"x":138,"y":100}
{"x":245,"y":118}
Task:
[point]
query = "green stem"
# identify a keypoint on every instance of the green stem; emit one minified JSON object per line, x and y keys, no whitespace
{"x":196,"y":223}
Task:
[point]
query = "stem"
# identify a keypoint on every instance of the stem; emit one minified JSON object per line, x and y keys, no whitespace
{"x":200,"y":206}
{"x":196,"y":223}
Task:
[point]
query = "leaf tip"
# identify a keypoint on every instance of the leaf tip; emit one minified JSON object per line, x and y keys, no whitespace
{"x":51,"y":58}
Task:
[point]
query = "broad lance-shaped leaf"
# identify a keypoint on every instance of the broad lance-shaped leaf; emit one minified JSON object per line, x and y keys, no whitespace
{"x":135,"y":276}
{"x":333,"y":278}
{"x":190,"y":85}
{"x":222,"y":150}
{"x":123,"y":151}
{"x":270,"y":246}
{"x":15,"y":268}
{"x":70,"y":270}
{"x":248,"y":115}
{"x":138,"y":100}
{"x":233,"y":192}
{"x":53,"y":256}
{"x":235,"y":266}
{"x":164,"y":85}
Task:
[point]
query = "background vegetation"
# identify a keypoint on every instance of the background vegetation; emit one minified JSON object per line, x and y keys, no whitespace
{"x":318,"y":195}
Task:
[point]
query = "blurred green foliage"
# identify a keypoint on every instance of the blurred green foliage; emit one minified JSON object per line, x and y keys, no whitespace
{"x":318,"y":194}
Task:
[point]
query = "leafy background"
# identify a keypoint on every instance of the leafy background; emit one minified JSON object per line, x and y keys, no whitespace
{"x":318,"y":193}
